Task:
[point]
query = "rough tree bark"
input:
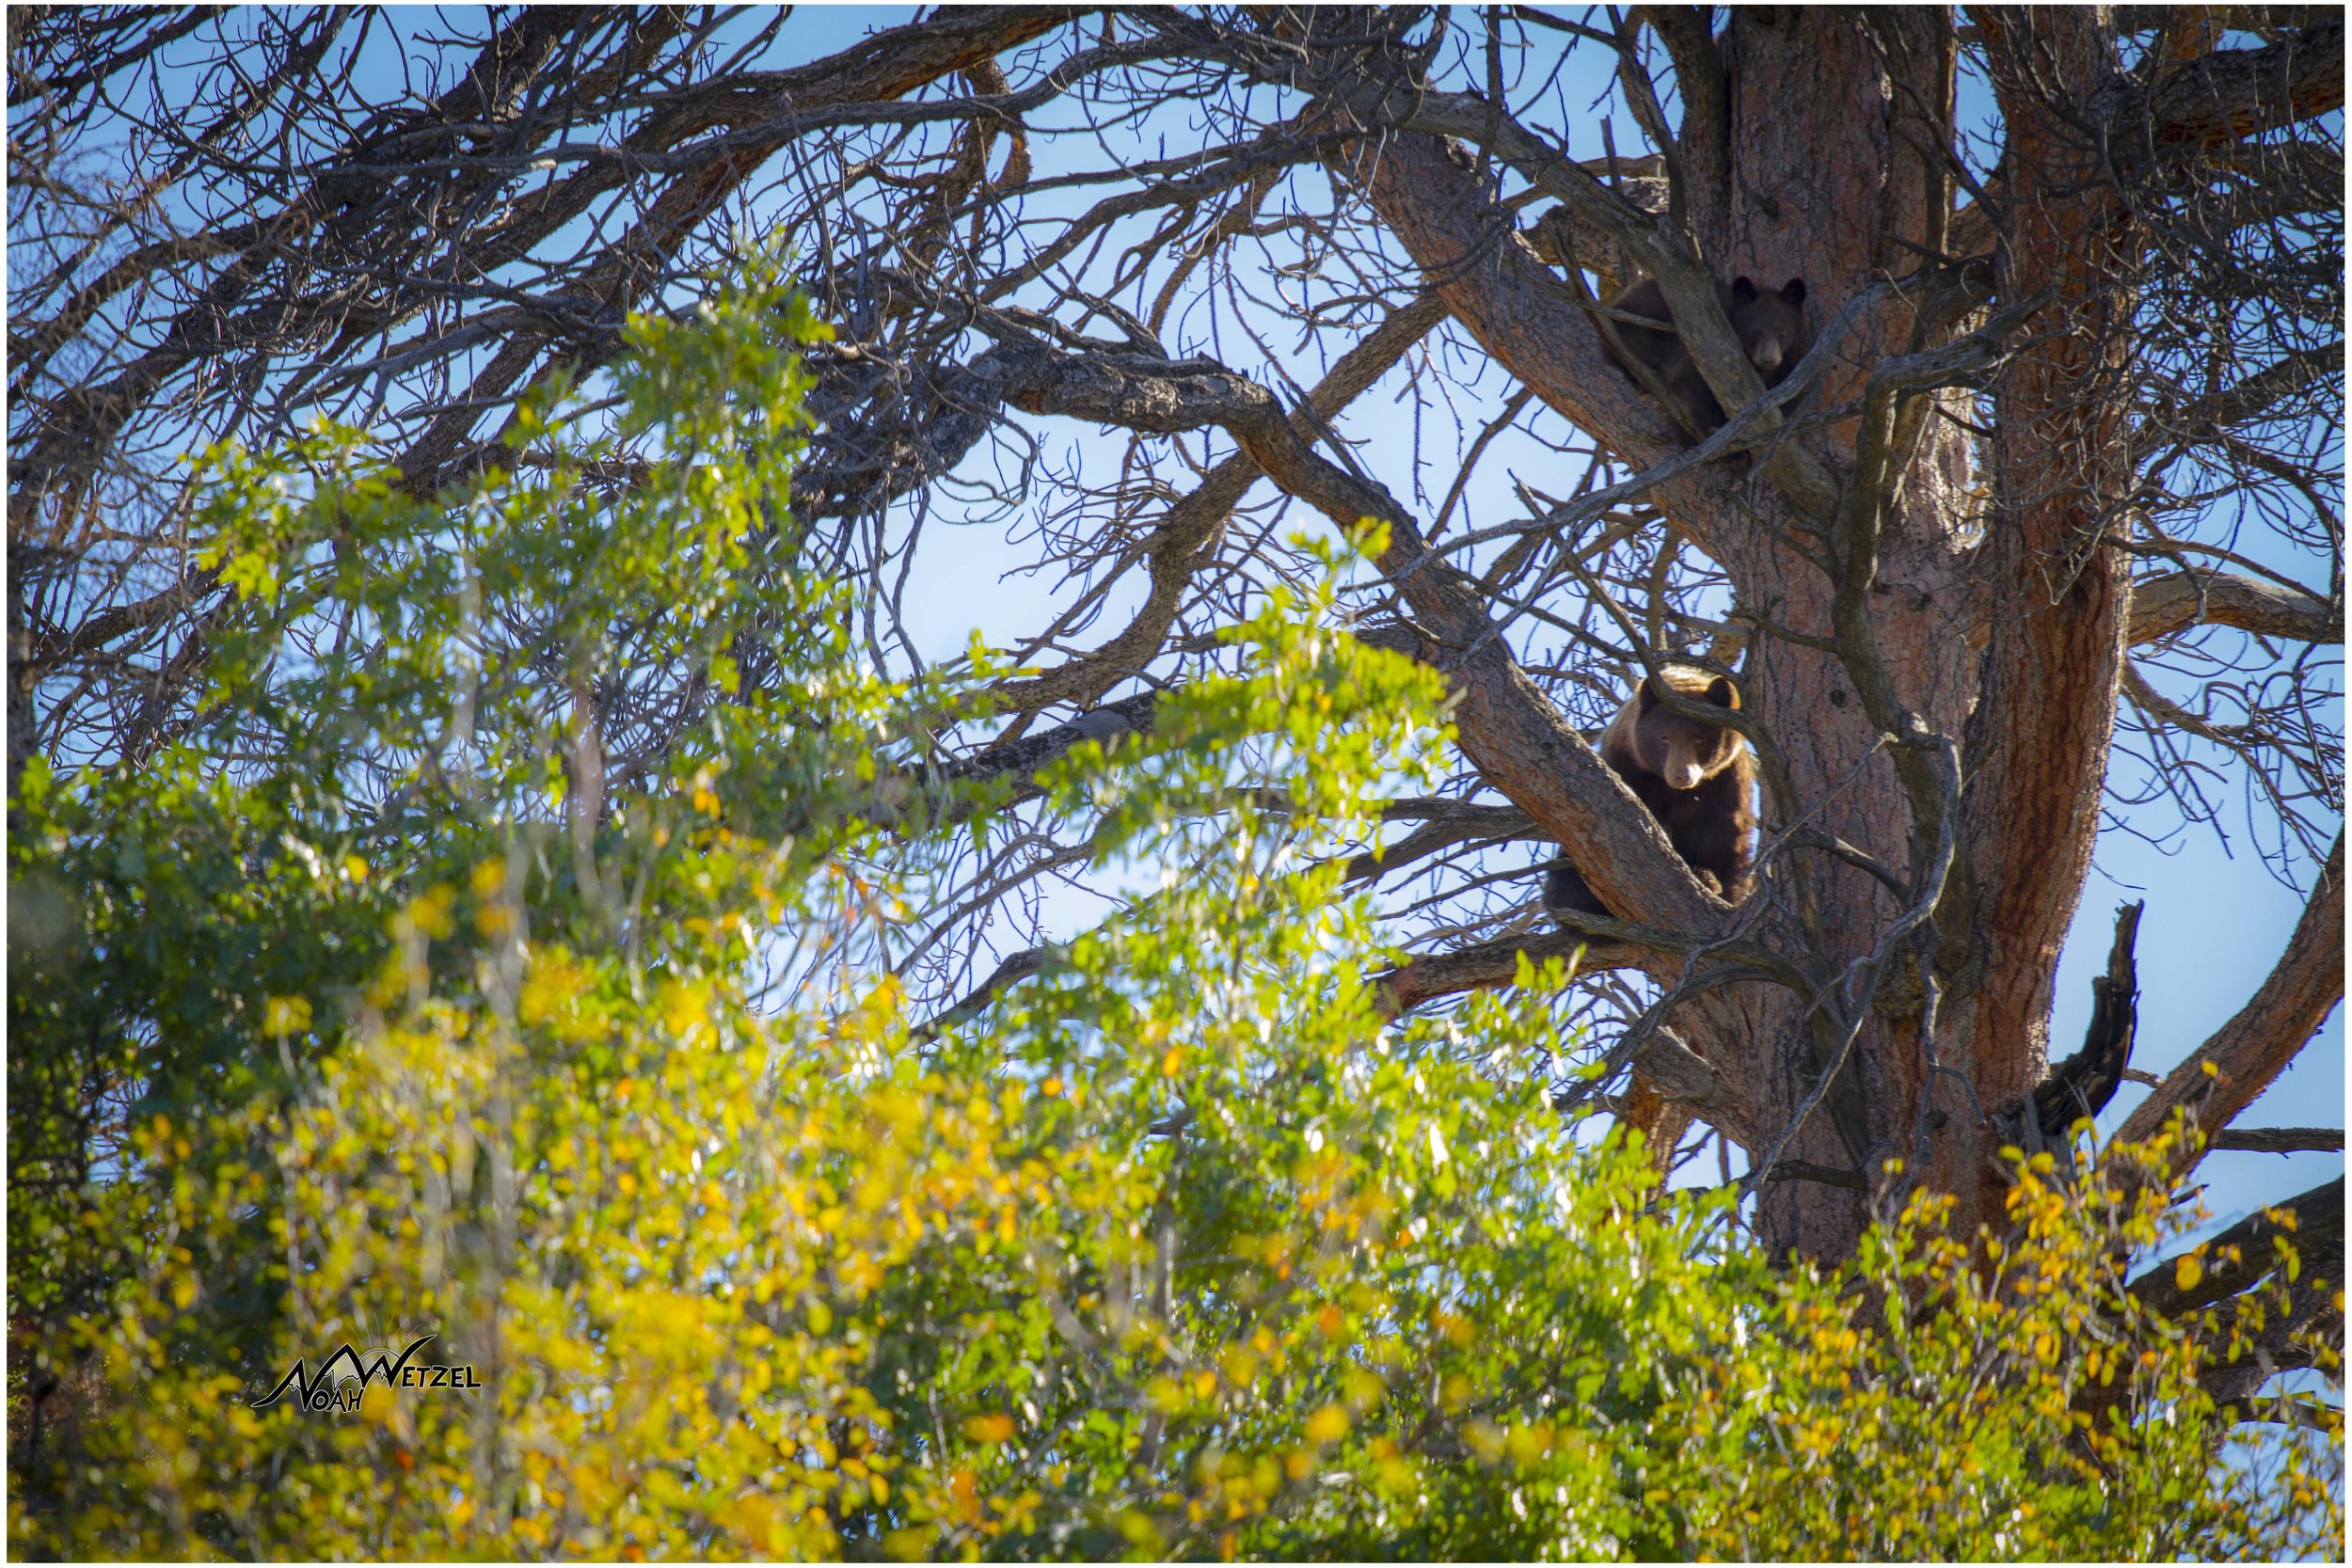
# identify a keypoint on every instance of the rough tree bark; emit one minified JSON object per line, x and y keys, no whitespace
{"x":1939,"y":557}
{"x":1770,"y":212}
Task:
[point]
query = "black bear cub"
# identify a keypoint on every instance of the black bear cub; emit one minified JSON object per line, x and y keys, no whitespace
{"x":1695,"y":777}
{"x":1769,"y":321}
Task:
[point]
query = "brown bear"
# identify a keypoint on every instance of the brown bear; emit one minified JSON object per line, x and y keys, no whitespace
{"x":1769,"y":321}
{"x":1696,"y":778}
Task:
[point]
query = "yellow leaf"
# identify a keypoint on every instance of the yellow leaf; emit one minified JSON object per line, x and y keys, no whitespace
{"x":2187,"y":1271}
{"x":993,"y":1428}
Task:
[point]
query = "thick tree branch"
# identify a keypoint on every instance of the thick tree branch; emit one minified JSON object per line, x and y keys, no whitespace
{"x":1173,"y":550}
{"x":2229,"y":1070}
{"x":1015,"y":969}
{"x":1458,"y":822}
{"x":2231,"y":93}
{"x":1022,"y":760}
{"x":1503,"y":296}
{"x":1510,"y":731}
{"x":2276,"y":1140}
{"x":1491,"y":965}
{"x":1688,"y":289}
{"x":2244,"y":1254}
{"x":2172,"y":602}
{"x":1827,"y":1175}
{"x":1390,"y":110}
{"x":1669,"y":1069}
{"x":2221,"y":1275}
{"x":2081,"y":1085}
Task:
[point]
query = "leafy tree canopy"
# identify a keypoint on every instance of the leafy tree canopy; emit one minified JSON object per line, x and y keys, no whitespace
{"x":1186,"y":1247}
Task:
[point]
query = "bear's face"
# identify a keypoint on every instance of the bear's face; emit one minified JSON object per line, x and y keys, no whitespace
{"x":1685,"y":753}
{"x":1770,"y":324}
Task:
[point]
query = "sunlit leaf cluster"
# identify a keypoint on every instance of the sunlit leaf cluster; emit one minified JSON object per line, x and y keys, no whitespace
{"x":424,"y":1017}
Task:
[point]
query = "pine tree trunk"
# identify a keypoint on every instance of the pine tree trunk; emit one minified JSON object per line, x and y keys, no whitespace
{"x":1981,"y":604}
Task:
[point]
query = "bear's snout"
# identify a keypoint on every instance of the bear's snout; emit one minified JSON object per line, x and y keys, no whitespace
{"x":1683,"y":773}
{"x":1768,"y":354}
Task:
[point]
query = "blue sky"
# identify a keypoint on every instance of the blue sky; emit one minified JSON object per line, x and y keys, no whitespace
{"x":2216,"y":918}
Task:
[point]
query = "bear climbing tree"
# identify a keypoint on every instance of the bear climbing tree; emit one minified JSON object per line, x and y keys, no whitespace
{"x":2035,"y":522}
{"x":1769,"y":324}
{"x":1694,"y":772}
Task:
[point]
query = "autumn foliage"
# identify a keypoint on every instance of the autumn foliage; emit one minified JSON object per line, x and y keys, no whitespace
{"x":1180,"y":1249}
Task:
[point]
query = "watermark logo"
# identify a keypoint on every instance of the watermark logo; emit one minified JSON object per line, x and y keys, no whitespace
{"x":344,"y":1378}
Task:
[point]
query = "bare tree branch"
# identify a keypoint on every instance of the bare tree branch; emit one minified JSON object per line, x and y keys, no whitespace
{"x":2232,"y":1264}
{"x":2104,"y":341}
{"x":1491,"y":965}
{"x":2314,"y":1216}
{"x":2276,"y":1140}
{"x":1517,"y":738}
{"x":2231,"y":93}
{"x":2165,"y":606}
{"x":2224,"y":1075}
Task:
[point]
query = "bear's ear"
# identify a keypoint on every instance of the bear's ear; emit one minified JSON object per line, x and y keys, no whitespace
{"x":1720,"y":692}
{"x":1743,"y":288}
{"x":1645,"y":695}
{"x":1794,"y":293}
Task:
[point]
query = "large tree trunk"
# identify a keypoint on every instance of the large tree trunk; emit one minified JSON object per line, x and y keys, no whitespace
{"x":1934,"y":606}
{"x":1925,"y":605}
{"x":1796,"y":173}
